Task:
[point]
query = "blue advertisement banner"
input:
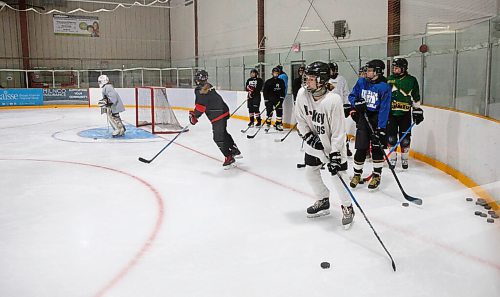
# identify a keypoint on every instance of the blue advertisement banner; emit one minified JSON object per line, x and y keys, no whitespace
{"x":21,"y":97}
{"x":66,"y":94}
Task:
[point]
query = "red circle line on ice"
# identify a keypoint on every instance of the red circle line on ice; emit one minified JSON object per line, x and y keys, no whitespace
{"x":150,"y":239}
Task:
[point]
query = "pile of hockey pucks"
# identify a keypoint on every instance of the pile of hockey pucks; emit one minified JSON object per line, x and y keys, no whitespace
{"x":484,"y":204}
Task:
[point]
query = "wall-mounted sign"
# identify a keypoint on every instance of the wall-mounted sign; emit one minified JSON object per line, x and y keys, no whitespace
{"x":74,"y":25}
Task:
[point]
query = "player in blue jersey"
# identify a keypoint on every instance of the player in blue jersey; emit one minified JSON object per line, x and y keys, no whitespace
{"x":371,"y":96}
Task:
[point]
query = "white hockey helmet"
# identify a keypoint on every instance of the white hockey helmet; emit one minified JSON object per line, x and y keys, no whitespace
{"x":102,"y":80}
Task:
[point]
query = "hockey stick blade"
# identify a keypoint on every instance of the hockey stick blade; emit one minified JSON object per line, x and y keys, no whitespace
{"x":144,"y":160}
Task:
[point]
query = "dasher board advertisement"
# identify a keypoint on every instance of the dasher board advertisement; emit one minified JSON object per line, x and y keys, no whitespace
{"x":74,"y":25}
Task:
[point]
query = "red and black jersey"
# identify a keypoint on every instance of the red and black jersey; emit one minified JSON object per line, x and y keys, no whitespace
{"x":208,"y":101}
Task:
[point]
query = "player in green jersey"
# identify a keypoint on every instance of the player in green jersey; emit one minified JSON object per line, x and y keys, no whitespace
{"x":405,"y":103}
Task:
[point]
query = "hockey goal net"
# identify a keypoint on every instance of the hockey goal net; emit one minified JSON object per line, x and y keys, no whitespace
{"x":153,"y":109}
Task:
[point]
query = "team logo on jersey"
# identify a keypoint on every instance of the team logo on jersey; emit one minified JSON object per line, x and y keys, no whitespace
{"x":253,"y":83}
{"x":317,"y":118}
{"x":370,"y":97}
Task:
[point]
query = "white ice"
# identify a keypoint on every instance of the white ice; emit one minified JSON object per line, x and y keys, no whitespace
{"x":83,"y":218}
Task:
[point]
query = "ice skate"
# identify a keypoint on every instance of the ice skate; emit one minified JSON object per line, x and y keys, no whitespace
{"x":251,"y":124}
{"x":404,"y":163}
{"x":375,"y":181}
{"x":319,"y":208}
{"x":393,"y":159}
{"x":235,"y":152}
{"x":355,"y":180}
{"x":278,"y":126}
{"x":259,"y":122}
{"x":229,"y":162}
{"x":347,"y":216}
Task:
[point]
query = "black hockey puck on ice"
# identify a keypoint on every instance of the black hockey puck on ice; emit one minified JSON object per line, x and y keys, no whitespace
{"x":495,"y":216}
{"x":325,"y":265}
{"x":468,"y":199}
{"x":490,"y":220}
{"x":483,"y":215}
{"x":487,"y":207}
{"x":480,"y":200}
{"x":405,"y":204}
{"x":477,"y":213}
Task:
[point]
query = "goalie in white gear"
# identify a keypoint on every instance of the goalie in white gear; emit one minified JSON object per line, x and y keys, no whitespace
{"x":113,"y":104}
{"x":320,"y":118}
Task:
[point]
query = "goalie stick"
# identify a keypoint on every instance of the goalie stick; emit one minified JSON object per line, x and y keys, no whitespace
{"x":169,"y":143}
{"x":415,"y":200}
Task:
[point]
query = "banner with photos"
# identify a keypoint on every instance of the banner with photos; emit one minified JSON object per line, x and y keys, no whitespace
{"x":74,"y":25}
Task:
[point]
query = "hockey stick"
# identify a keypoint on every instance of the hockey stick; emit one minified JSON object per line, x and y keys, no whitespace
{"x":255,"y":134}
{"x":238,"y":108}
{"x":368,"y":221}
{"x":283,"y":139}
{"x":415,"y":200}
{"x":169,"y":143}
{"x":365,"y":179}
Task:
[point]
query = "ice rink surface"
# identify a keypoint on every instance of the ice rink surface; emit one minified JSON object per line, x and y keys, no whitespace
{"x":82,"y":217}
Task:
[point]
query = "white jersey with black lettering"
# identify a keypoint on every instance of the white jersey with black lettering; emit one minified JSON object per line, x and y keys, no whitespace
{"x":341,"y":87}
{"x":325,"y":118}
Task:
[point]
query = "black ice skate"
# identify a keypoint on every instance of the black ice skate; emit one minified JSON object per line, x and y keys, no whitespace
{"x":229,"y":162}
{"x":375,"y":181}
{"x":259,"y":122}
{"x":320,"y":208}
{"x":347,"y":216}
{"x":278,"y":126}
{"x":251,"y":124}
{"x":235,"y":152}
{"x":404,"y":163}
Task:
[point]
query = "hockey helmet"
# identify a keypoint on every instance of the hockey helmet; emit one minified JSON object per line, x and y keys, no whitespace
{"x":320,"y":70}
{"x":377,"y":65}
{"x":334,"y":67}
{"x":401,"y":63}
{"x":201,"y":77}
{"x":255,"y":71}
{"x":102,"y":80}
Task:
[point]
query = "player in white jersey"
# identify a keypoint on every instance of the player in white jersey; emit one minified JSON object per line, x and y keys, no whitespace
{"x":320,"y":118}
{"x":342,"y":88}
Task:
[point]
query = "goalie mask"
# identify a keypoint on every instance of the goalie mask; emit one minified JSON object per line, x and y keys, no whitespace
{"x":200,"y":77}
{"x":320,"y":72}
{"x":102,"y":80}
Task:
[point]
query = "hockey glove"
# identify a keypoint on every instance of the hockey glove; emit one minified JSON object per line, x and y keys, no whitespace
{"x":347,"y":110}
{"x":418,"y":115}
{"x":379,"y":138}
{"x":313,"y":141}
{"x":360,"y":105}
{"x":354,"y":115}
{"x":104,"y":102}
{"x":334,"y":164}
{"x":192,"y":118}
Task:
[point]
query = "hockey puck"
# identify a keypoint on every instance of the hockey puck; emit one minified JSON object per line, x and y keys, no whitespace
{"x":477,"y":213}
{"x":468,"y":199}
{"x":301,"y":165}
{"x":495,"y":216}
{"x":480,"y":200}
{"x":487,"y":207}
{"x":405,"y":204}
{"x":483,"y":215}
{"x":491,"y":212}
{"x":95,"y":138}
{"x":325,"y":265}
{"x":490,"y":220}
{"x":481,"y":203}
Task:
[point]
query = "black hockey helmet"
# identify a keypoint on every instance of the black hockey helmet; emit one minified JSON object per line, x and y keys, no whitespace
{"x":319,"y":69}
{"x":401,"y":63}
{"x":280,"y":67}
{"x":377,"y":65}
{"x":254,"y":71}
{"x":201,"y":77}
{"x":334,"y":67}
